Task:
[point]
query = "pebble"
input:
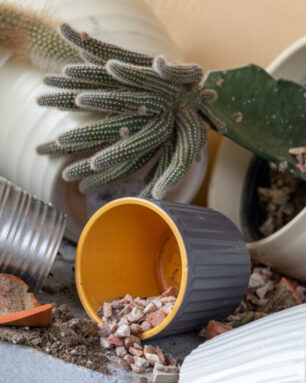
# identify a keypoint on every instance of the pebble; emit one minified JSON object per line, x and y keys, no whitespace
{"x":107,"y":310}
{"x":112,"y":339}
{"x":145,"y":326}
{"x":152,"y":358}
{"x":130,"y":340}
{"x":121,"y":351}
{"x":135,"y":351}
{"x":123,"y":331}
{"x":135,"y":328}
{"x":157,"y":317}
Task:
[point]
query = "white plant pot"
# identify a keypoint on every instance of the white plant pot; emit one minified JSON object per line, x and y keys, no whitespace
{"x":24,"y":125}
{"x":269,"y":350}
{"x":284,"y":250}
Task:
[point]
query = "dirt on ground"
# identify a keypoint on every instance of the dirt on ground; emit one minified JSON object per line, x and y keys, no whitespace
{"x":71,"y":339}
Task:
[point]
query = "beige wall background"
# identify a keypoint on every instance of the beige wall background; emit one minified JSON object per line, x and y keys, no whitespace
{"x":221,"y":34}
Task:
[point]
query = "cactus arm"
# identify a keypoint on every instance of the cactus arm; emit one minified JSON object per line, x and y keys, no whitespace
{"x":140,"y":77}
{"x":181,"y":74}
{"x":92,"y":59}
{"x":115,"y":173}
{"x":188,"y":142}
{"x":122,"y":102}
{"x":103,"y":50}
{"x":92,"y":74}
{"x":67,"y":83}
{"x":54,"y":147}
{"x":148,"y":138}
{"x":163,"y":163}
{"x":265,"y":115}
{"x":62,"y":100}
{"x":33,"y":38}
{"x":104,"y":130}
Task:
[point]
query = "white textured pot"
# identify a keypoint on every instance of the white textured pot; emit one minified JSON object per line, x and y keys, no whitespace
{"x":269,"y":350}
{"x":285,"y":250}
{"x":24,"y":125}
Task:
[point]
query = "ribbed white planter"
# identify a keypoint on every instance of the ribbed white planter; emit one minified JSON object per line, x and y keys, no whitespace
{"x":24,"y":125}
{"x":269,"y":350}
{"x":285,"y":249}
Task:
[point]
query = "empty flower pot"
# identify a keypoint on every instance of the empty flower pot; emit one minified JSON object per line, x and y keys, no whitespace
{"x":142,"y":247}
{"x":271,"y":349}
{"x":233,"y":185}
{"x":30,"y":234}
{"x":24,"y":124}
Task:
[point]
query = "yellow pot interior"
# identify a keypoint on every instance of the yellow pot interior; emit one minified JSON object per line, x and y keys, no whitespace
{"x":129,"y":246}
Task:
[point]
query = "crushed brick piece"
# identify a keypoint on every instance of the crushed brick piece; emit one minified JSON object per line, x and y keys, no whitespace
{"x":149,"y":349}
{"x":123,"y":364}
{"x":145,"y":326}
{"x":130,"y":340}
{"x":112,"y":339}
{"x":160,"y":354}
{"x":135,"y":328}
{"x":129,"y":358}
{"x":156,"y":317}
{"x":121,"y":351}
{"x":171,"y":291}
{"x":135,"y":351}
{"x":107,"y":310}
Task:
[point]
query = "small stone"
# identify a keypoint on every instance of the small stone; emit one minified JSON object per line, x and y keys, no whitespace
{"x":167,"y":308}
{"x":134,"y":351}
{"x":117,"y":305}
{"x":107,"y":310}
{"x":157,"y":317}
{"x":171,"y":291}
{"x":123,"y":321}
{"x":104,"y":342}
{"x":169,"y":299}
{"x":141,"y":362}
{"x":121,"y":351}
{"x":152,"y":358}
{"x":130,"y":340}
{"x":160,"y":354}
{"x":129,"y":298}
{"x":164,"y":377}
{"x":136,"y":369}
{"x":138,"y":346}
{"x":157,"y":303}
{"x":127,"y":309}
{"x":129,"y":358}
{"x":149,"y":349}
{"x":145,"y":326}
{"x":135,"y":328}
{"x":112,"y":339}
{"x":123,"y":364}
{"x":215,"y":328}
{"x":149,"y":308}
{"x":136,"y":314}
{"x":104,"y":330}
{"x":123,"y":331}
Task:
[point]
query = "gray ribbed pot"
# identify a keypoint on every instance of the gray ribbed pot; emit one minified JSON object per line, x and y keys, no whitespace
{"x":142,"y":247}
{"x":218,"y":266}
{"x":30,"y":234}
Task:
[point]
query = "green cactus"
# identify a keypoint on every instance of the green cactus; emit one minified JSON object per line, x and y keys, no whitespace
{"x":155,"y":107}
{"x":33,"y":38}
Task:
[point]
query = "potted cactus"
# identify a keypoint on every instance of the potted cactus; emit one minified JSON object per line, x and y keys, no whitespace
{"x":31,"y":36}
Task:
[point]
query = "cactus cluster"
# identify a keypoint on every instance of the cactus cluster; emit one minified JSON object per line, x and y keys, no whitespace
{"x":151,"y":106}
{"x":33,"y":38}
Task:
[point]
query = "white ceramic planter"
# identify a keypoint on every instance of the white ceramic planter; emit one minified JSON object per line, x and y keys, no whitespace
{"x":24,"y":125}
{"x":269,"y":350}
{"x":285,"y":250}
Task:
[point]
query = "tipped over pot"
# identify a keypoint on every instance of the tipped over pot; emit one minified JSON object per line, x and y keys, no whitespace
{"x":236,"y":176}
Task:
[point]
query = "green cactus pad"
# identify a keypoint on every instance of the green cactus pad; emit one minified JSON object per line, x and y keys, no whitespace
{"x":265,"y":115}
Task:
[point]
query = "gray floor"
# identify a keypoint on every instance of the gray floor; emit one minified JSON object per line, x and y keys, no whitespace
{"x":22,"y":364}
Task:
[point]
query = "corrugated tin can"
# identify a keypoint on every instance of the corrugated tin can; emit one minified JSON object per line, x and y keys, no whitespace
{"x":30,"y":234}
{"x":142,"y":247}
